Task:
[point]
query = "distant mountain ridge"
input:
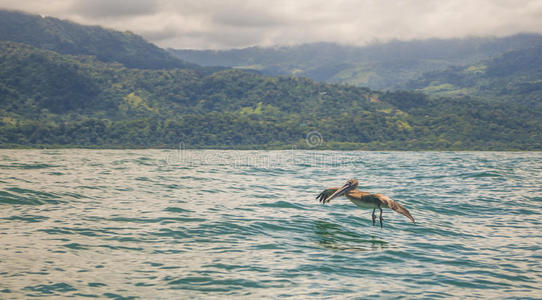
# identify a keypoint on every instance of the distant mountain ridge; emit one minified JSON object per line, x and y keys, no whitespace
{"x":66,"y":37}
{"x":56,"y":100}
{"x":515,"y":76}
{"x":378,"y":66}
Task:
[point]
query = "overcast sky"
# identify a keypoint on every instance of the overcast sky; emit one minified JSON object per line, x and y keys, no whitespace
{"x":221,"y":24}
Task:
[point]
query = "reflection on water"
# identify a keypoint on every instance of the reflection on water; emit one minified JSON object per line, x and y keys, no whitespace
{"x":152,"y":224}
{"x":333,"y":236}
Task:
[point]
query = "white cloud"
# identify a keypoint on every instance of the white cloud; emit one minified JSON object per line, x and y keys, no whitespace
{"x":240,"y":23}
{"x":114,"y":8}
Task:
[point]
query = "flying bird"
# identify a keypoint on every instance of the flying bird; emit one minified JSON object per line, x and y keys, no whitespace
{"x":363,"y":199}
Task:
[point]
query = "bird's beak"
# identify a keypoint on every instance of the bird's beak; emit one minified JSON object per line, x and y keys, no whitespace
{"x":345,"y":188}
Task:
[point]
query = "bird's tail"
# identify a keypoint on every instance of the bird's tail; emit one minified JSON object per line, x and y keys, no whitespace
{"x":398,"y":208}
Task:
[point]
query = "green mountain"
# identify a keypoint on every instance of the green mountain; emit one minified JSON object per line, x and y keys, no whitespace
{"x":378,"y":65}
{"x":53,"y":99}
{"x":70,"y":38}
{"x":513,"y":77}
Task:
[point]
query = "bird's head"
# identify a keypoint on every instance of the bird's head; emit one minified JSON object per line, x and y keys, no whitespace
{"x":347,"y":187}
{"x":353,"y":183}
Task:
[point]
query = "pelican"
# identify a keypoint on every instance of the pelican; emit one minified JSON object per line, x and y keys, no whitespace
{"x":363,"y":199}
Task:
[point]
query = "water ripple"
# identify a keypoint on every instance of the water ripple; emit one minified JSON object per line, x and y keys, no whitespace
{"x":127,"y":224}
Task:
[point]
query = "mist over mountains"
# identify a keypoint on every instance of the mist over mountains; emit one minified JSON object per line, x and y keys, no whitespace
{"x":378,"y":65}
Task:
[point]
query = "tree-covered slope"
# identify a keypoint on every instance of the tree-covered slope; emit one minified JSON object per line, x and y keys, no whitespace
{"x":514,"y":77}
{"x":378,"y":65}
{"x":53,"y":99}
{"x":70,"y":38}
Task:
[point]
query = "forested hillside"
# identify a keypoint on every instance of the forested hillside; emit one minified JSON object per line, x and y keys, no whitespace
{"x":514,"y":77}
{"x":52,"y":99}
{"x":71,"y":38}
{"x":378,"y":65}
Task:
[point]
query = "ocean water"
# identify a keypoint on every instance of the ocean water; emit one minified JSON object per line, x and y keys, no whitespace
{"x":177,"y":224}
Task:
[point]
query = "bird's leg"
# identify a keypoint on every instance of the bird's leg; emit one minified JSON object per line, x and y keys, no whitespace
{"x":381,"y":219}
{"x":374,"y":216}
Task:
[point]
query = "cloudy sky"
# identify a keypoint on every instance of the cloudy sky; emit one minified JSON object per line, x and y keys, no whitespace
{"x":222,"y":24}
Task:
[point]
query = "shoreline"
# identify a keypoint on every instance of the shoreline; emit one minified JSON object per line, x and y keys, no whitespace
{"x":285,"y":148}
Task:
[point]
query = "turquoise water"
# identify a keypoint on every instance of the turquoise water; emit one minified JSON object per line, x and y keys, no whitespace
{"x":163,"y":224}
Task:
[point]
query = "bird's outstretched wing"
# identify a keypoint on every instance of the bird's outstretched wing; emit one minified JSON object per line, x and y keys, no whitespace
{"x":323,"y":196}
{"x":386,"y":201}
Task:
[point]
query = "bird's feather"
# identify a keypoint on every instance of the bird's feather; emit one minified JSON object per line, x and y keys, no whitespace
{"x":324,"y":195}
{"x":386,"y":201}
